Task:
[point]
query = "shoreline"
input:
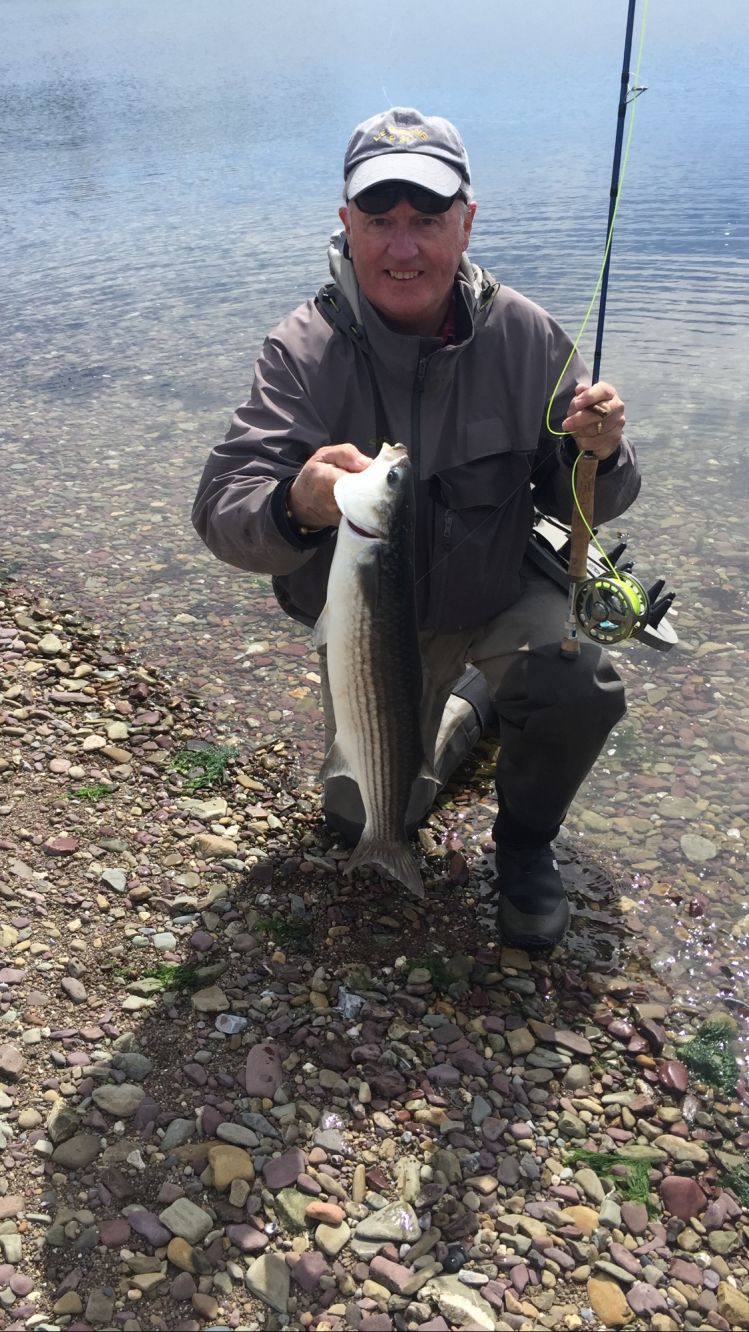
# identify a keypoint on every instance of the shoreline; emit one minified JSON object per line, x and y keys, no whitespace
{"x":173,"y":951}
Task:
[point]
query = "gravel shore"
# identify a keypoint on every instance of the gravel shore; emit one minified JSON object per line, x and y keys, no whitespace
{"x":240,"y":1090}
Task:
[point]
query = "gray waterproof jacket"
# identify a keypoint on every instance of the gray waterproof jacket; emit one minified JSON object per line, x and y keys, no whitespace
{"x":472,"y":416}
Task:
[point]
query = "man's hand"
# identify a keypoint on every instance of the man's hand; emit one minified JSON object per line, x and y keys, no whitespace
{"x":596,"y":419}
{"x":311,"y":496}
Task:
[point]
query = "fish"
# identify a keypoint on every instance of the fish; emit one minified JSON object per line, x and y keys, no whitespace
{"x":369,"y":628}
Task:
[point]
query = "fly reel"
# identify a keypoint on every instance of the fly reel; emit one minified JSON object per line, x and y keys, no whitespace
{"x":611,"y":607}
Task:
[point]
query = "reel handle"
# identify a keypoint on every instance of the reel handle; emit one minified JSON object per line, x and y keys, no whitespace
{"x":585,"y":483}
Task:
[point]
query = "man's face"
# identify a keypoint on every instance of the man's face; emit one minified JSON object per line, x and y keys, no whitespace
{"x":405,"y":261}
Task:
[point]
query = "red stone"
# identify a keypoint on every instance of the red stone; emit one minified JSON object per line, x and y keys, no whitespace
{"x":327,"y":1213}
{"x":683,"y":1196}
{"x":674,"y":1075}
{"x":61,"y":846}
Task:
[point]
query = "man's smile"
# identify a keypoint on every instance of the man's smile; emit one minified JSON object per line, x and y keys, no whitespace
{"x":403,"y":275}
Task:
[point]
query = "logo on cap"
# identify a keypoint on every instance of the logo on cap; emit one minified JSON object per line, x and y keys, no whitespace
{"x":393,"y":134}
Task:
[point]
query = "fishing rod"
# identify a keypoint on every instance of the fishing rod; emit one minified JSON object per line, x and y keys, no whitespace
{"x":611,"y":606}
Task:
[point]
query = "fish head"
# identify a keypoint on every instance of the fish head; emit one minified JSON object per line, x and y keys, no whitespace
{"x":371,"y":500}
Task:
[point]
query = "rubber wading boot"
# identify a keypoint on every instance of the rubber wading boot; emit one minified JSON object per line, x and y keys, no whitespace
{"x":533,"y":911}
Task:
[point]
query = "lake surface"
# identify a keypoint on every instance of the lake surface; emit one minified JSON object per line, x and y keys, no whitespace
{"x":170,"y":178}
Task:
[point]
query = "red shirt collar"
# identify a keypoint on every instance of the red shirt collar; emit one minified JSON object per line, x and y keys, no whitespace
{"x":448,"y":330}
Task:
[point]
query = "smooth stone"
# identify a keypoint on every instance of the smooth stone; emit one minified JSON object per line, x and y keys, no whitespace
{"x":332,"y":1239}
{"x":291,"y":1207}
{"x":460,"y":1304}
{"x":282,"y":1171}
{"x":187,"y":1220}
{"x":74,"y":989}
{"x":210,"y":1000}
{"x":179,"y":1252}
{"x":396,"y":1222}
{"x":645,"y":1299}
{"x":121,"y":1100}
{"x":247,"y":1238}
{"x":178,"y":1132}
{"x":308,"y":1271}
{"x":584,"y":1218}
{"x":682,"y":1196}
{"x":115,"y":879}
{"x":635,"y":1217}
{"x":77,"y":1152}
{"x":609,"y":1302}
{"x":733,"y":1306}
{"x":269,"y":1278}
{"x":590,"y":1184}
{"x":146,"y":1224}
{"x":135,"y":1066}
{"x":229,"y":1163}
{"x":571,"y":1126}
{"x":682,"y":1149}
{"x":263,"y":1071}
{"x":698,"y":849}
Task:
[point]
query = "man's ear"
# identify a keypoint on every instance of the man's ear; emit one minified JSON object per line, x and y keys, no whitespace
{"x":470,"y":213}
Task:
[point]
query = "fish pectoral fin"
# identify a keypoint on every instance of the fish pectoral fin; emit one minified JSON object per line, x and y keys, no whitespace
{"x":320,"y":631}
{"x":369,"y":577}
{"x":394,"y":858}
{"x":428,"y":774}
{"x":335,"y":764}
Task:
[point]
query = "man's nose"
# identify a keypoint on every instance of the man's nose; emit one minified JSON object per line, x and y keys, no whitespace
{"x":403,"y":244}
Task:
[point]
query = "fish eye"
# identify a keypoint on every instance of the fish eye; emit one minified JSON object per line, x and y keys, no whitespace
{"x":392,"y":476}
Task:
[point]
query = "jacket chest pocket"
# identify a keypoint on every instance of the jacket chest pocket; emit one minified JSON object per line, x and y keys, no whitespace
{"x":493,"y":468}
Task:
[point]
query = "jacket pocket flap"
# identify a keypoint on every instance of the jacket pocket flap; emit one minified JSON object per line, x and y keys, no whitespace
{"x":493,"y":466}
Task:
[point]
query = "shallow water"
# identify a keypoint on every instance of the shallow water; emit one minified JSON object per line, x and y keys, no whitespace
{"x":171,"y":177}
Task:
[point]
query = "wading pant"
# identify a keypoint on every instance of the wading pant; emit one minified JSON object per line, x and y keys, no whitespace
{"x":553,"y":716}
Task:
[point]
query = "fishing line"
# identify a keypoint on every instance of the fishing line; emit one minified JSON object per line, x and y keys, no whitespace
{"x":629,"y":592}
{"x":635,"y":89}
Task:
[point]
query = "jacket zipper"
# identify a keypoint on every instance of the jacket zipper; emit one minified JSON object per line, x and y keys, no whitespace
{"x":418,"y":389}
{"x":421,"y":534}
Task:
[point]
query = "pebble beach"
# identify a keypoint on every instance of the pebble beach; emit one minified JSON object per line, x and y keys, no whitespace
{"x":241,"y":1090}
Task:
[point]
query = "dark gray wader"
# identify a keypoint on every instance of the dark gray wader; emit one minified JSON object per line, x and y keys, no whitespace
{"x":552,"y":717}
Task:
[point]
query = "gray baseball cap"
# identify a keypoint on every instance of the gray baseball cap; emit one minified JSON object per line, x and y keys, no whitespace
{"x":402,"y":144}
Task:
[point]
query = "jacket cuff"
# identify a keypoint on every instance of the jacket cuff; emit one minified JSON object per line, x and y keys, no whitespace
{"x":570,"y":452}
{"x":288,"y":529}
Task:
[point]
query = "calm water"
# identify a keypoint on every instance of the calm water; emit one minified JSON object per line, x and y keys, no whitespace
{"x":170,"y":177}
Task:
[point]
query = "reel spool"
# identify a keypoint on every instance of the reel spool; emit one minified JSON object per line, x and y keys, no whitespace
{"x":609,"y":609}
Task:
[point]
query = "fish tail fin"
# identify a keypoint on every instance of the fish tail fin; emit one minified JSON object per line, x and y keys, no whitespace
{"x":394,"y":857}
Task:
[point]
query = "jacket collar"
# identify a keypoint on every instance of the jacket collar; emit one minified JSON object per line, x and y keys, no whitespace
{"x":474,"y":291}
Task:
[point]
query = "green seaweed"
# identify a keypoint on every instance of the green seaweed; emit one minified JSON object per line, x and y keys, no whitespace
{"x":171,"y":975}
{"x":93,"y":793}
{"x":439,"y":973}
{"x":444,"y":973}
{"x":634,"y":1186}
{"x":710,"y":1054}
{"x":737,"y":1180}
{"x":292,"y":933}
{"x":203,"y":767}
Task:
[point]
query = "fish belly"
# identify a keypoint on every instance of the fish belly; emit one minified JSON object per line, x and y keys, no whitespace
{"x":376,"y":708}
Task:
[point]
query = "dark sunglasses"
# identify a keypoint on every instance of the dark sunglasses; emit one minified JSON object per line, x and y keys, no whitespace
{"x":381,"y":198}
